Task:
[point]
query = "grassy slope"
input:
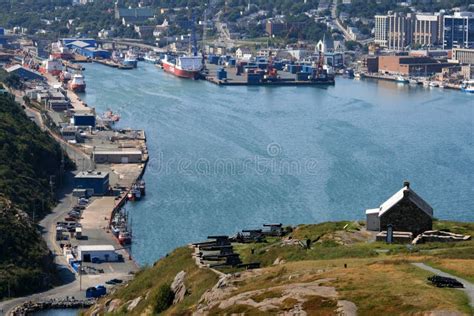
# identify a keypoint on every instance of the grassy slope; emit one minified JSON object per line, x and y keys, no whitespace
{"x":28,"y":157}
{"x":379,"y":278}
{"x":149,"y":280}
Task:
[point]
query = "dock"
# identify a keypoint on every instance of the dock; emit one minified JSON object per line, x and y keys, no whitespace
{"x":284,"y":79}
{"x":113,"y":64}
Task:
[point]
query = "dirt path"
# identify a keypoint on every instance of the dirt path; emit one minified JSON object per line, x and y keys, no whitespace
{"x":468,"y":286}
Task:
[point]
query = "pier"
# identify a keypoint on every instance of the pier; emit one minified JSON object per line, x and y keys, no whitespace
{"x":284,"y":79}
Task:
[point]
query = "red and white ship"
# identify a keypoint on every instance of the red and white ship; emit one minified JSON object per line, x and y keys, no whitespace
{"x":61,"y":52}
{"x":51,"y":66}
{"x":183,"y":67}
{"x":77,"y":83}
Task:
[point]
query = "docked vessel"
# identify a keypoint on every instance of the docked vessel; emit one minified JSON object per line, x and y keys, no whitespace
{"x":468,"y":86}
{"x":124,"y":238}
{"x":151,"y":58}
{"x":51,"y":66}
{"x":184,"y":67}
{"x":130,"y":60}
{"x":77,"y":83}
{"x":401,"y":79}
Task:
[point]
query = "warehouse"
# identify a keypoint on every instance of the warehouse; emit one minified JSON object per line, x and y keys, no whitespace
{"x":97,"y":253}
{"x":126,"y":156}
{"x":84,"y":119}
{"x":23,"y":73}
{"x":96,"y":183}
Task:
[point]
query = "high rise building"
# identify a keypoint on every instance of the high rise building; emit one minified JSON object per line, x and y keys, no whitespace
{"x":381,"y":30}
{"x":426,"y":29}
{"x":458,"y":30}
{"x":400,"y":31}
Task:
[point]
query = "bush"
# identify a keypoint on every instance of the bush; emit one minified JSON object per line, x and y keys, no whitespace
{"x":164,"y":298}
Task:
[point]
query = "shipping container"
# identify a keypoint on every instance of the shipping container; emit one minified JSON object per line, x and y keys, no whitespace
{"x":254,"y":78}
{"x":303,"y":76}
{"x":221,"y":74}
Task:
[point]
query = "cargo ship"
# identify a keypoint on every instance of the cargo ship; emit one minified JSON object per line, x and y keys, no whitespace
{"x":51,"y":66}
{"x":77,"y":83}
{"x":184,"y":67}
{"x":187,"y":66}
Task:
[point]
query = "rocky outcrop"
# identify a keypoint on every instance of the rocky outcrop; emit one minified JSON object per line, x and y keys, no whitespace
{"x":114,"y":305}
{"x":178,"y":287}
{"x":134,"y":303}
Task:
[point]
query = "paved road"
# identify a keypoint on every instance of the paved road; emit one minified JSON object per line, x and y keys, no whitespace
{"x":468,"y":286}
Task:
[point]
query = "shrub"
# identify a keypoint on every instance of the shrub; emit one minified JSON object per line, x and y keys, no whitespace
{"x":164,"y":298}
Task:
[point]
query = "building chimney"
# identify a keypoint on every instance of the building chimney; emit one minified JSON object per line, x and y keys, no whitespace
{"x":406,"y":184}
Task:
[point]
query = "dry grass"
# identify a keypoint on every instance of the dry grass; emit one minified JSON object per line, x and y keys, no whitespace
{"x":317,"y":305}
{"x":395,"y":287}
{"x":463,"y":268}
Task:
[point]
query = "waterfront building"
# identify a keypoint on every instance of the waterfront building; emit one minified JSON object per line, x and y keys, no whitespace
{"x":106,"y":253}
{"x":405,"y":211}
{"x":410,"y":65}
{"x":458,"y":30}
{"x":96,"y":183}
{"x":464,"y":55}
{"x":24,"y":73}
{"x":84,"y":119}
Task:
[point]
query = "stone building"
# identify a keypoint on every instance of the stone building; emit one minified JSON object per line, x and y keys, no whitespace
{"x":406,"y":211}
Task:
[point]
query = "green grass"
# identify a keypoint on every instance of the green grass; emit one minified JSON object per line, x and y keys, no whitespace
{"x":151,"y":281}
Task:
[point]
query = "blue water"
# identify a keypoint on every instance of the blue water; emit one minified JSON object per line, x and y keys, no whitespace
{"x":228,"y":158}
{"x":58,"y":312}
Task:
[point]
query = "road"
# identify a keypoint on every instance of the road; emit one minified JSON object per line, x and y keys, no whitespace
{"x":468,"y":286}
{"x":48,"y":223}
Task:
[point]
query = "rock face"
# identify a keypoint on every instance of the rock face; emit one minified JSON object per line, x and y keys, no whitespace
{"x":134,"y":303}
{"x":114,"y":305}
{"x":178,"y":287}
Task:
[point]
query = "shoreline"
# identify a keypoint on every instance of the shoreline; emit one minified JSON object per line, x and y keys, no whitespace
{"x":71,"y":280}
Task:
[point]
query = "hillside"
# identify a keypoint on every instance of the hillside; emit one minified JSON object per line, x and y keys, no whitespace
{"x":344,"y":270}
{"x":29,"y":158}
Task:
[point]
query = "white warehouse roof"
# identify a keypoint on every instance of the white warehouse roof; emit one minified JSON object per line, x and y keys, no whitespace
{"x":95,"y":248}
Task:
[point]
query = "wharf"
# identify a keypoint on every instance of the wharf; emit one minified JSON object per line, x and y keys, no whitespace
{"x":74,"y":66}
{"x":113,"y":64}
{"x":285,"y":79}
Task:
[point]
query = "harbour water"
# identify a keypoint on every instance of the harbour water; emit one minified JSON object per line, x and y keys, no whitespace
{"x":228,"y":158}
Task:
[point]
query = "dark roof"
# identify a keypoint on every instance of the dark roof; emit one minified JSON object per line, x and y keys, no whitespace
{"x":136,"y":12}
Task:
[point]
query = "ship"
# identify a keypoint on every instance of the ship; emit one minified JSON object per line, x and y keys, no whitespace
{"x":151,"y":58}
{"x":77,"y":83}
{"x":51,"y":66}
{"x":401,"y":79}
{"x":130,"y":60}
{"x":187,"y":66}
{"x":124,"y":237}
{"x":184,"y":67}
{"x":468,"y":86}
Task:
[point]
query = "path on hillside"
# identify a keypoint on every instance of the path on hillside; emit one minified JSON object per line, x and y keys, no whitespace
{"x":468,"y":286}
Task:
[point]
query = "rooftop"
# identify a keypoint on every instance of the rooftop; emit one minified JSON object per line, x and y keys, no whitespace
{"x":95,"y":248}
{"x":92,"y":174}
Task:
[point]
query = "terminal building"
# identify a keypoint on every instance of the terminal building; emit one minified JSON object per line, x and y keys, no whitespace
{"x":94,"y":253}
{"x":96,"y":183}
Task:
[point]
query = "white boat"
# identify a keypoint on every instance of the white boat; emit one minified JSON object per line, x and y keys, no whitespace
{"x":401,"y":79}
{"x":434,"y":84}
{"x":468,"y":86}
{"x":413,"y":81}
{"x":151,"y":58}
